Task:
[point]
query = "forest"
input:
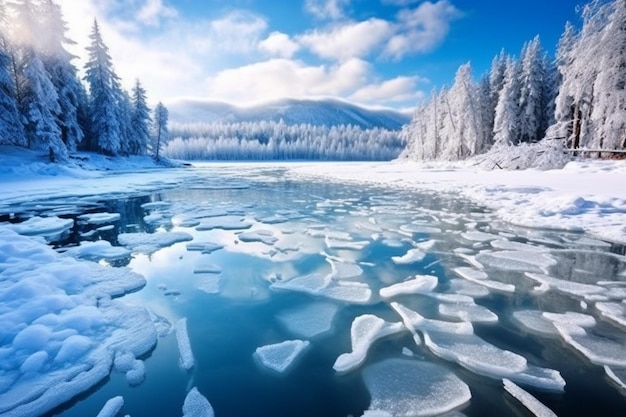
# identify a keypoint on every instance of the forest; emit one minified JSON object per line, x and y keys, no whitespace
{"x":578,"y":98}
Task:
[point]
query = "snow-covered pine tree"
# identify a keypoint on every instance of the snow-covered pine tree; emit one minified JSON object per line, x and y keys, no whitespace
{"x":140,"y":121}
{"x":496,"y":81}
{"x":57,"y":61}
{"x":609,"y":102}
{"x":532,"y":92}
{"x":11,"y":127}
{"x":506,"y":121}
{"x":99,"y":74}
{"x":160,"y":128}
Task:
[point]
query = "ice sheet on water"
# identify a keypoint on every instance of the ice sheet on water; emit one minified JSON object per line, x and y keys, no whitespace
{"x":281,"y":356}
{"x":471,"y":274}
{"x":98,"y":250}
{"x":50,"y":228}
{"x":343,"y":269}
{"x":207,"y":269}
{"x":404,"y":387}
{"x":478,"y":236}
{"x":481,"y":278}
{"x":148,"y":243}
{"x":263,"y":236}
{"x":463,"y":287}
{"x":156,"y":205}
{"x":411,"y":256}
{"x":346,"y":244}
{"x":229,"y":222}
{"x":365,"y":330}
{"x":413,"y":320}
{"x":112,"y":407}
{"x":613,"y":311}
{"x":511,"y":245}
{"x":535,"y":322}
{"x":411,"y":229}
{"x":617,"y":375}
{"x":209,"y":284}
{"x":514,"y":260}
{"x":324,"y":285}
{"x":99,"y":218}
{"x":187,"y":360}
{"x":420,"y":284}
{"x":569,"y":287}
{"x":309,"y":321}
{"x":531,"y":403}
{"x":471,"y":312}
{"x":204,"y":247}
{"x":196,"y":405}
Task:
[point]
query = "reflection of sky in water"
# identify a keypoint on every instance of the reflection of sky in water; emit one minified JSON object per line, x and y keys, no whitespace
{"x":314,"y":224}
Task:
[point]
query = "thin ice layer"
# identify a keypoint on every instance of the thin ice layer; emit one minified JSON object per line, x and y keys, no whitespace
{"x":224,"y":222}
{"x":531,"y":403}
{"x":309,"y":321}
{"x":263,"y":236}
{"x":148,"y":243}
{"x":471,"y":312}
{"x":324,"y":285}
{"x":196,"y":405}
{"x":524,"y":261}
{"x":281,"y":356}
{"x":365,"y":330}
{"x":568,"y":287}
{"x":420,"y":284}
{"x":99,"y":218}
{"x":184,"y":345}
{"x":402,"y":387}
{"x":98,"y":250}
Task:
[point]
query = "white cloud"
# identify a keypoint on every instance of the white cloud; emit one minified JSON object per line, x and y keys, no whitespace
{"x":395,"y":90}
{"x":279,"y":44}
{"x":326,"y":9}
{"x":238,"y":32}
{"x":279,"y":77}
{"x":344,"y":41}
{"x":153,"y":11}
{"x":421,"y":29}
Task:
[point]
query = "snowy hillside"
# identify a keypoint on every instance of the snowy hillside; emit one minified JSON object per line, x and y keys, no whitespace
{"x":326,"y":112}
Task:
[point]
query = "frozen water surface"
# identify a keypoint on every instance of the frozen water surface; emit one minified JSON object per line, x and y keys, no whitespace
{"x":352,"y":278}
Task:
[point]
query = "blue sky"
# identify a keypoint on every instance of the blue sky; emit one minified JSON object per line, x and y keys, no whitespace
{"x":374,"y":52}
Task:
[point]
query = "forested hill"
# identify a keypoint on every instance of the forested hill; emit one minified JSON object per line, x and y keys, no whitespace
{"x":327,"y":112}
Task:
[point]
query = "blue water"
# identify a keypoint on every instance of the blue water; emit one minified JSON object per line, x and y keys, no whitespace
{"x":226,"y":328}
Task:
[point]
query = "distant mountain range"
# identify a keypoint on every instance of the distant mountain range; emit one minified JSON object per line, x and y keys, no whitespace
{"x":327,"y":112}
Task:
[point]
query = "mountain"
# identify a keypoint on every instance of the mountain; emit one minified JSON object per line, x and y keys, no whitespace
{"x":326,"y":112}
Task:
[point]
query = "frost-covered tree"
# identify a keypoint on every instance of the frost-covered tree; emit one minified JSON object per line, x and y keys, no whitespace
{"x":160,"y":128}
{"x":496,"y":81}
{"x":104,"y":127}
{"x":507,"y":116}
{"x":533,"y":95}
{"x":140,"y":121}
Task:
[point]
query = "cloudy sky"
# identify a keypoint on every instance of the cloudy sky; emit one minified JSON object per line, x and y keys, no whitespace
{"x":374,"y":52}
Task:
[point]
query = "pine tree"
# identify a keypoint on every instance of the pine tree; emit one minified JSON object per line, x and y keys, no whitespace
{"x":140,"y":121}
{"x":102,"y":80}
{"x":506,"y":122}
{"x":160,"y":128}
{"x":532,"y":92}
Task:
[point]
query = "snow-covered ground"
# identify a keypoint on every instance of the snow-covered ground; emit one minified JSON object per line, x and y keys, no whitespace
{"x":587,"y":195}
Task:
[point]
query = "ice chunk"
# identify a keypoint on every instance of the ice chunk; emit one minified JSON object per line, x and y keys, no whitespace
{"x":137,"y":374}
{"x":480,"y":278}
{"x":112,"y":407}
{"x":535,"y":322}
{"x":463,"y":287}
{"x":404,"y":387}
{"x":156,"y":205}
{"x":478,"y":236}
{"x":184,"y":345}
{"x":312,"y":283}
{"x":411,"y":229}
{"x":508,"y":245}
{"x":100,"y":218}
{"x":346,"y":244}
{"x":524,"y":261}
{"x":148,"y":243}
{"x":51,"y":228}
{"x":568,"y":287}
{"x":196,"y":405}
{"x":343,"y":270}
{"x":204,"y":247}
{"x":468,"y":312}
{"x":96,"y":251}
{"x":280,"y":357}
{"x":470,"y":274}
{"x":365,"y":330}
{"x":225,"y":223}
{"x":617,"y":375}
{"x":420,"y":284}
{"x":309,"y":321}
{"x":207,"y":269}
{"x":263,"y":236}
{"x":414,"y":320}
{"x":210,"y":284}
{"x":527,"y":400}
{"x":615,"y":312}
{"x":323,"y":285}
{"x":412,"y":256}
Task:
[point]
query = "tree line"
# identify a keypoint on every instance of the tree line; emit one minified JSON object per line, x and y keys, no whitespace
{"x":44,"y":104}
{"x":579,"y":97}
{"x":269,"y":140}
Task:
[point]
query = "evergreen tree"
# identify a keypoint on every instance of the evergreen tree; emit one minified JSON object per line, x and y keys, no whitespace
{"x":506,"y":122}
{"x":102,"y":80}
{"x":532,"y":92}
{"x":160,"y":128}
{"x":140,"y":121}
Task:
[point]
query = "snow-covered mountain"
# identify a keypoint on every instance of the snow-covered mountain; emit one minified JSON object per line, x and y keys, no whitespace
{"x":327,"y":112}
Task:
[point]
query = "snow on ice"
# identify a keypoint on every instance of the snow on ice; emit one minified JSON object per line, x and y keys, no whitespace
{"x":281,"y":356}
{"x":196,"y":405}
{"x":187,"y":360}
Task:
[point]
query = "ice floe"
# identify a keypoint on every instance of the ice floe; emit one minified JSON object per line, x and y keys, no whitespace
{"x":51,"y":228}
{"x":613,"y":311}
{"x":410,"y":257}
{"x":420,"y":284}
{"x":346,"y":244}
{"x":148,"y":243}
{"x":511,"y":245}
{"x":471,"y":312}
{"x":229,"y":222}
{"x":99,"y":218}
{"x":209,"y":284}
{"x":207,"y":269}
{"x":478,"y":236}
{"x":281,"y":356}
{"x":309,"y":321}
{"x":617,"y":375}
{"x":187,"y":360}
{"x":98,"y":250}
{"x":342,"y":269}
{"x":112,"y":407}
{"x":204,"y":247}
{"x":531,"y":403}
{"x":463,"y":287}
{"x":569,"y":287}
{"x":263,"y":236}
{"x":324,"y":285}
{"x":524,"y":261}
{"x":365,"y":330}
{"x":481,"y":278}
{"x":196,"y":405}
{"x":404,"y":387}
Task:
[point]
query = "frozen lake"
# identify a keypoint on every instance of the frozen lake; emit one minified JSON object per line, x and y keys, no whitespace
{"x":322,"y":299}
